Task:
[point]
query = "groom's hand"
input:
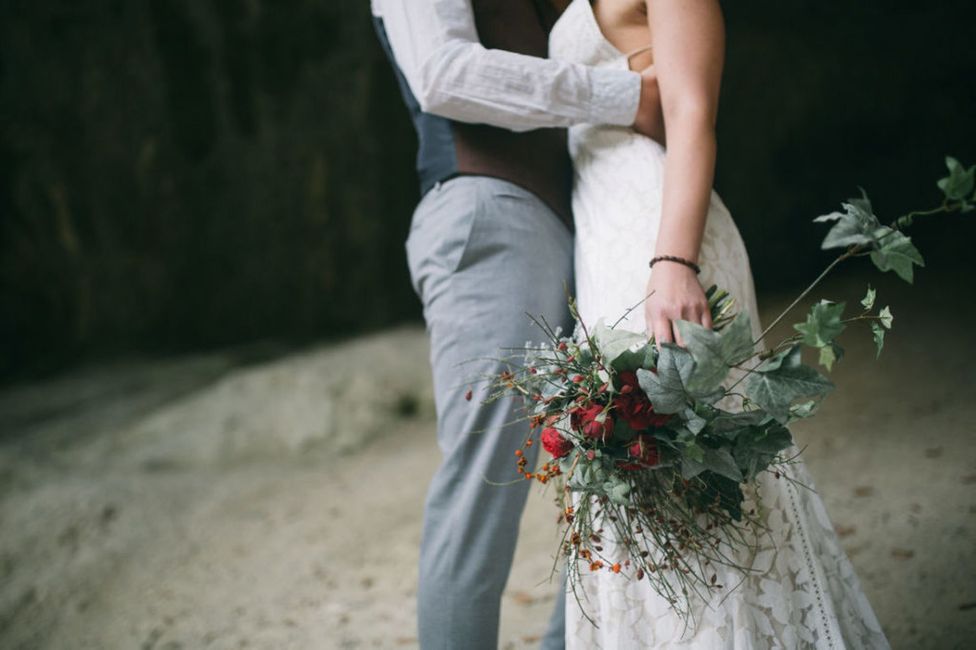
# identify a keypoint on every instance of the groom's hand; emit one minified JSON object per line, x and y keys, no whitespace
{"x":650,"y":115}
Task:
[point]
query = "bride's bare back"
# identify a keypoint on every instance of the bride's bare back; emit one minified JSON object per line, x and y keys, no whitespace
{"x":624,"y":24}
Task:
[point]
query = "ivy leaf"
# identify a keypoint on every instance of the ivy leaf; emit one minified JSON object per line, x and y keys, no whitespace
{"x":715,"y":352}
{"x":722,"y":463}
{"x":823,"y":324}
{"x":693,"y":421}
{"x":886,"y":317}
{"x":960,"y":181}
{"x":804,"y":409}
{"x":879,"y":335}
{"x":758,"y":446}
{"x":730,"y":425}
{"x":855,"y":224}
{"x":634,"y":358}
{"x":692,"y":465}
{"x":897,"y":253}
{"x":613,"y":343}
{"x":868,"y":300}
{"x":783,"y":379}
{"x":617,"y":489}
{"x":830,"y":354}
{"x":667,"y":388}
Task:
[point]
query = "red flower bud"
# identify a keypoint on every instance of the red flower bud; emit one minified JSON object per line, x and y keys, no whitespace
{"x":592,"y":422}
{"x":644,"y":450}
{"x":633,"y":407}
{"x":555,"y":443}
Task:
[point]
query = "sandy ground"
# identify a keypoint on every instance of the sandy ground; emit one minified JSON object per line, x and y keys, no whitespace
{"x":247,"y":500}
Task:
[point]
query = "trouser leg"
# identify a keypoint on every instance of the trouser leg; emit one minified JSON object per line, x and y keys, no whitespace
{"x":484,"y":254}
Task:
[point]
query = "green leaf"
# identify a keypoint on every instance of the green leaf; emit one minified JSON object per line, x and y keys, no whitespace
{"x":634,"y":358}
{"x":722,"y":463}
{"x":693,"y":421}
{"x":715,"y":352}
{"x":757,"y":447}
{"x":783,"y":379}
{"x":666,"y":388}
{"x":617,"y":489}
{"x":823,"y":324}
{"x":804,"y":409}
{"x":886,"y":317}
{"x":827,"y":357}
{"x":897,"y":253}
{"x":730,"y":425}
{"x":868,"y":300}
{"x":855,"y":224}
{"x":879,"y":336}
{"x":960,"y":181}
{"x":692,"y":467}
{"x":613,"y":343}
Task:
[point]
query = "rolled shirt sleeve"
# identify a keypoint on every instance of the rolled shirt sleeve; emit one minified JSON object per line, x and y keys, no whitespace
{"x":451,"y":74}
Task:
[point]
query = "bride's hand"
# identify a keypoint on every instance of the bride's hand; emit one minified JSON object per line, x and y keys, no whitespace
{"x":674,"y":294}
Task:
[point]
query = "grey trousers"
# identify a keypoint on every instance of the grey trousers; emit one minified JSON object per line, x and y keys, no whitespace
{"x":483,"y":255}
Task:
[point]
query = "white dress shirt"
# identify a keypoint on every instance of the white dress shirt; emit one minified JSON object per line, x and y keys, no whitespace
{"x":452,"y":75}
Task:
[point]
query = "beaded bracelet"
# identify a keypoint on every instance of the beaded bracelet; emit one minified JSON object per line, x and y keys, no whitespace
{"x":674,"y":258}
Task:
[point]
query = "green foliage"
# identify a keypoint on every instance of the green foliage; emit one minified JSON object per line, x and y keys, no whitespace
{"x":722,"y":463}
{"x":715,"y":352}
{"x":855,"y":225}
{"x":783,"y":379}
{"x":823,"y":324}
{"x":620,"y":348}
{"x":879,"y":336}
{"x":886,"y":317}
{"x":830,"y":354}
{"x":959,"y":184}
{"x":896,"y":252}
{"x":868,"y":300}
{"x":878,"y":327}
{"x":757,"y":446}
{"x":667,"y":388}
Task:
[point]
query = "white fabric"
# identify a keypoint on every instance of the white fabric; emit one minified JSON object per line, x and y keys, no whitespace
{"x":452,"y":75}
{"x":804,"y":592}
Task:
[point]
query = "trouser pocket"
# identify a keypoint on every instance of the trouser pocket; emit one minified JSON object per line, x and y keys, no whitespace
{"x":440,"y":233}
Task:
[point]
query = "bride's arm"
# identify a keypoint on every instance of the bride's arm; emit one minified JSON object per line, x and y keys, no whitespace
{"x":689,"y":44}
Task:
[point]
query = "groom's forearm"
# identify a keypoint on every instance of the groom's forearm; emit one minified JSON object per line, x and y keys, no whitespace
{"x":451,"y":74}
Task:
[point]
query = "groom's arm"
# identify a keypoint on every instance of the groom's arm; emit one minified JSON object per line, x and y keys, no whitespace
{"x":451,"y":74}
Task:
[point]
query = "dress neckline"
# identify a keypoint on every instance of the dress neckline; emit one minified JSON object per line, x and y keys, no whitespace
{"x":615,"y":51}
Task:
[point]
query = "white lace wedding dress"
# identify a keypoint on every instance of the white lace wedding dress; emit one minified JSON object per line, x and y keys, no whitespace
{"x":803,"y":592}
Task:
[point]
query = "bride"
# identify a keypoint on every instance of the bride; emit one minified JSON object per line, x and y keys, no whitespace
{"x":637,"y":205}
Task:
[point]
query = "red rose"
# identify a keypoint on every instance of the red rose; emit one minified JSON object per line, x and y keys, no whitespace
{"x":554,"y":443}
{"x":586,"y":419}
{"x":644,"y":450}
{"x":633,"y":407}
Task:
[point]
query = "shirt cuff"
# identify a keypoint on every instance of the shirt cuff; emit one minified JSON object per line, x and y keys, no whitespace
{"x":615,"y":95}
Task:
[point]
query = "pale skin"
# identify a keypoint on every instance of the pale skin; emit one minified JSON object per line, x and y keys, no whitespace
{"x":688,"y":38}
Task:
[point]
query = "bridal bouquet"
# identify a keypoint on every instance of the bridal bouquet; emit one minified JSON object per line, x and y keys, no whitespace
{"x":652,"y":448}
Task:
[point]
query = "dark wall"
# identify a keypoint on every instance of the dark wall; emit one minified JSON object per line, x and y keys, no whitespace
{"x":178,"y":174}
{"x":820,"y":97}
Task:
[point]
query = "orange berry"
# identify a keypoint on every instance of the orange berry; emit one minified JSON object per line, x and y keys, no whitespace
{"x":518,"y":452}
{"x":616,"y":567}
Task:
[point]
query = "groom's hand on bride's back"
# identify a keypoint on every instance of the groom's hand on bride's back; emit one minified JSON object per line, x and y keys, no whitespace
{"x":650,"y":115}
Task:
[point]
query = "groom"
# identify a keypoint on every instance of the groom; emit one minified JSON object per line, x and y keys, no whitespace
{"x":490,"y":242}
